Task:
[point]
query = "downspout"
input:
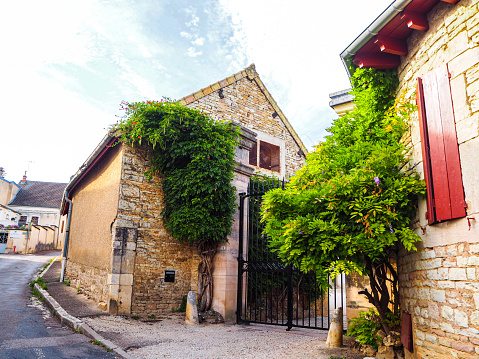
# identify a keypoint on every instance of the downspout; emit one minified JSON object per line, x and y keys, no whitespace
{"x":67,"y":235}
{"x":28,"y":236}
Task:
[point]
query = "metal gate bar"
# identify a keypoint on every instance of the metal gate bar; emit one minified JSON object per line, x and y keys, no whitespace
{"x":270,"y":292}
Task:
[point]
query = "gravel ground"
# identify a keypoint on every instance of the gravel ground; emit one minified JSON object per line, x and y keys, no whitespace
{"x":169,"y":337}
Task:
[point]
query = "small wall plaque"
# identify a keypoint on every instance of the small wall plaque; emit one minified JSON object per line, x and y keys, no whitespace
{"x":169,"y":276}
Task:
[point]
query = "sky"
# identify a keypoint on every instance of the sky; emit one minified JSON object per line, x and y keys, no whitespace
{"x":66,"y":65}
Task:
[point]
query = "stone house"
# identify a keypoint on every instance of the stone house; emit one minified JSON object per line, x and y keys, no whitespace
{"x":434,"y":45}
{"x":118,"y":251}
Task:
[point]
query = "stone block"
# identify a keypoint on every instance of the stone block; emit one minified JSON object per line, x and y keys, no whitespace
{"x":431,"y":338}
{"x":385,"y":352}
{"x":446,"y":327}
{"x":473,"y":261}
{"x":433,"y":310}
{"x":443,"y":273}
{"x":441,"y":251}
{"x":126,"y":205}
{"x":471,"y":273}
{"x":463,"y":62}
{"x":434,"y":263}
{"x":475,"y":318}
{"x":335,"y":333}
{"x":459,"y":44}
{"x":191,"y":309}
{"x":451,"y":250}
{"x":468,"y":128}
{"x":128,"y":190}
{"x":472,"y":74}
{"x":448,"y":263}
{"x":457,"y":274}
{"x":473,"y":22}
{"x":447,"y":313}
{"x":438,"y":295}
{"x":126,"y":279}
{"x":461,"y":261}
{"x":420,"y":335}
{"x":445,"y":342}
{"x":445,"y":284}
{"x":113,"y":279}
{"x":461,"y":318}
{"x":476,"y":300}
{"x":463,"y":347}
{"x":474,"y":248}
{"x":429,"y":254}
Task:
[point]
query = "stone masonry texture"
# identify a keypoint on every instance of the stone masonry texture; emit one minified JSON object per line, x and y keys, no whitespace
{"x":156,"y":251}
{"x":439,"y":284}
{"x":240,"y":99}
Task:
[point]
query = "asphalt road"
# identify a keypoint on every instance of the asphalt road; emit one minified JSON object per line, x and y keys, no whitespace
{"x":27,"y":328}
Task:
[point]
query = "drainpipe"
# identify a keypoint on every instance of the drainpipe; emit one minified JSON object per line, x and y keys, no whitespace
{"x":67,"y":234}
{"x":28,"y":236}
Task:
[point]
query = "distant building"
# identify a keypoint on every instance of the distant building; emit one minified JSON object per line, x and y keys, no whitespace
{"x":341,"y":101}
{"x":38,"y":202}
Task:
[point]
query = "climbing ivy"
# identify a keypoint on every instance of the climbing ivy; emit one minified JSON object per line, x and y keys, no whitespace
{"x":194,"y":155}
{"x":353,"y":201}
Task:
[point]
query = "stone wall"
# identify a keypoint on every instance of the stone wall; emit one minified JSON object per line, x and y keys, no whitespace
{"x":88,"y":280}
{"x":439,"y":285}
{"x":152,"y":249}
{"x":242,"y":98}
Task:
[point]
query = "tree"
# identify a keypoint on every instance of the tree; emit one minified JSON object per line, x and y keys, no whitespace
{"x":195,"y":157}
{"x":353,"y":201}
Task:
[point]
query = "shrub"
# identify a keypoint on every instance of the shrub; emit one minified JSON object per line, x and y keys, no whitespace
{"x":365,"y":327}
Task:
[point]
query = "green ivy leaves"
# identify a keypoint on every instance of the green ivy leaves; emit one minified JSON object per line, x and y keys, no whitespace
{"x":195,"y":156}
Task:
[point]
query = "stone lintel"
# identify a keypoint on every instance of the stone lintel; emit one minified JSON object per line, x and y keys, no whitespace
{"x":244,"y":169}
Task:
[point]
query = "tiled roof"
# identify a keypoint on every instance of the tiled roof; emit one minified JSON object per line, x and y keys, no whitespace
{"x":251,"y":74}
{"x":39,"y":194}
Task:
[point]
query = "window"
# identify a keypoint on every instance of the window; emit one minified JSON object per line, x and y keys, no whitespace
{"x":267,"y":157}
{"x":22,"y":221}
{"x":35,"y":220}
{"x":442,"y":166}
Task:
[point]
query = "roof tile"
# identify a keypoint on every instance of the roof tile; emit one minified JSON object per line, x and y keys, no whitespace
{"x":39,"y":194}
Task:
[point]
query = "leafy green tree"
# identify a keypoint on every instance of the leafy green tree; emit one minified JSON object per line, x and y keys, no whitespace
{"x":194,"y":155}
{"x":353,"y":201}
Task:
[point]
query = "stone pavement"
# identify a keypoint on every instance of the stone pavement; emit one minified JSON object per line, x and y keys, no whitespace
{"x":167,"y":336}
{"x":78,"y":305}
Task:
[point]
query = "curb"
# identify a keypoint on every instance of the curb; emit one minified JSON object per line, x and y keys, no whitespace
{"x":75,"y":323}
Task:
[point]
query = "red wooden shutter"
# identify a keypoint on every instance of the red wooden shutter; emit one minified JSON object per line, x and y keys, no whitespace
{"x":445,"y":183}
{"x":426,"y":160}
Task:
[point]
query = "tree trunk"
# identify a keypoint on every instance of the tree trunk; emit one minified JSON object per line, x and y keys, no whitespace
{"x":379,"y":295}
{"x":207,"y":252}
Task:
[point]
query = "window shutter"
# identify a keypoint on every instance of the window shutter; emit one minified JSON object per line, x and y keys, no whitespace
{"x":439,"y":141}
{"x":431,"y":212}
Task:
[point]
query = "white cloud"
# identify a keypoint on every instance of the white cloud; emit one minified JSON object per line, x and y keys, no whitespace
{"x":186,"y":35}
{"x":296,"y":50}
{"x":198,"y":41}
{"x":192,"y":53}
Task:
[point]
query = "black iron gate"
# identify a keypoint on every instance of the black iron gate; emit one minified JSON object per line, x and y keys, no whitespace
{"x":270,"y":292}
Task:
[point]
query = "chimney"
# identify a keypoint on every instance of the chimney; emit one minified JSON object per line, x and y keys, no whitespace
{"x":24,"y":180}
{"x":2,"y":172}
